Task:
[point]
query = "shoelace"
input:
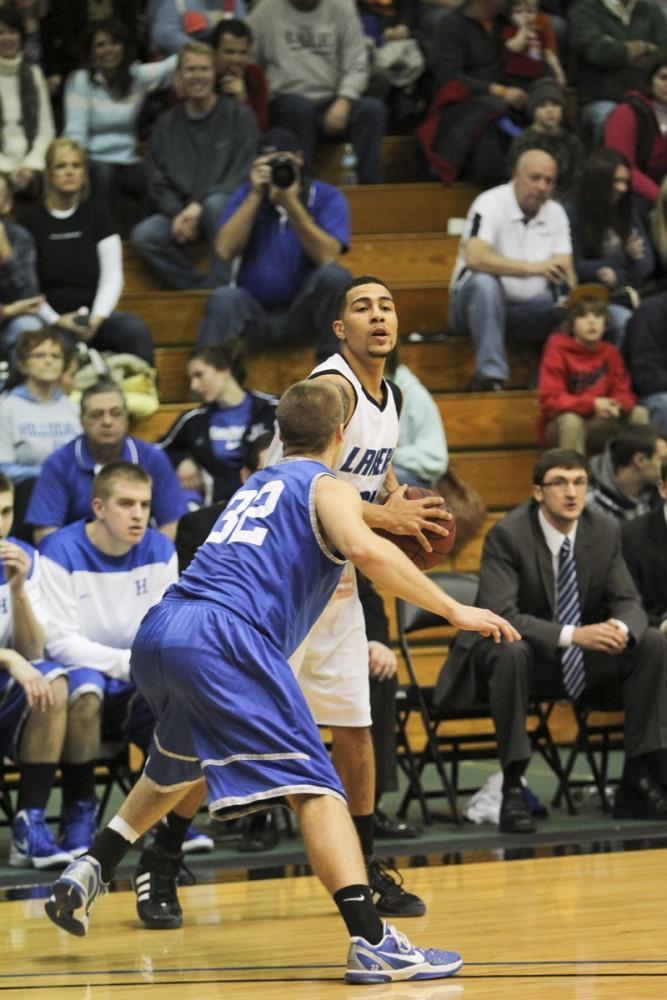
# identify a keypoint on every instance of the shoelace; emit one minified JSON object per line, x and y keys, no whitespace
{"x":382,"y":872}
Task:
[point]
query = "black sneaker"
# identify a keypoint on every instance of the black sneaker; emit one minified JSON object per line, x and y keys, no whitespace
{"x":155,"y":882}
{"x":389,"y":896}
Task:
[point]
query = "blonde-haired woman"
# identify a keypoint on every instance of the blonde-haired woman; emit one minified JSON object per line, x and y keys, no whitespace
{"x":79,"y":258}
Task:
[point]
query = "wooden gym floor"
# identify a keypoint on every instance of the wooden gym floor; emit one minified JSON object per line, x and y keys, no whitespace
{"x":578,"y":927}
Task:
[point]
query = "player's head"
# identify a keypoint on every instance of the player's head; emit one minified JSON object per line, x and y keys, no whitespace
{"x":560,"y":483}
{"x":310,"y":415}
{"x":366,"y":322}
{"x":6,"y":505}
{"x":104,"y":415}
{"x":121,"y":502}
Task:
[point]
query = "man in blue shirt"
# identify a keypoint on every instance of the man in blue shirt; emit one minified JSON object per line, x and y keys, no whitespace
{"x":284,"y":231}
{"x":62,"y":493}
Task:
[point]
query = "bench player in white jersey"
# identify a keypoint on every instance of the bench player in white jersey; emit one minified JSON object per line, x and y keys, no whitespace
{"x":33,"y":696}
{"x":211,"y":659}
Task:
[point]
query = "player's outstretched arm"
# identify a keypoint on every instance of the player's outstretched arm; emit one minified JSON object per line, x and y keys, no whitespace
{"x":339,"y":509}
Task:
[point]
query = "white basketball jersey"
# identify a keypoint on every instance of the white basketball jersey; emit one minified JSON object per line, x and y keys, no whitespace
{"x":371,"y":435}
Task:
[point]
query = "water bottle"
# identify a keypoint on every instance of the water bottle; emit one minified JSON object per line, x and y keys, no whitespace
{"x":348,"y":163}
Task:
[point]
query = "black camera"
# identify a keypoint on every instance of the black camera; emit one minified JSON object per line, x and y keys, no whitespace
{"x":283,"y":171}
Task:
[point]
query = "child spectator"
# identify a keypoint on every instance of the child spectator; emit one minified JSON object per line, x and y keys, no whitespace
{"x":546,"y":102}
{"x":530,"y":50}
{"x":584,"y":387}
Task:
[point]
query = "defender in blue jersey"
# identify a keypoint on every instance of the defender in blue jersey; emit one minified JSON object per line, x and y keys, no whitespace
{"x":33,"y":696}
{"x":212,"y":661}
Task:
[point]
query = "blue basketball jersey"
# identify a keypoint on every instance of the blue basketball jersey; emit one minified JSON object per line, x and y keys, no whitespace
{"x":265,"y":559}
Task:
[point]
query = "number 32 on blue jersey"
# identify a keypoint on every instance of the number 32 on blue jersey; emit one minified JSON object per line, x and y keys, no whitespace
{"x":247,"y":505}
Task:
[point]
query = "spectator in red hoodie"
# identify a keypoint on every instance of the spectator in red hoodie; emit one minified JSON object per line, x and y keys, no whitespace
{"x":638,"y":129}
{"x":239,"y":77}
{"x":584,"y":387}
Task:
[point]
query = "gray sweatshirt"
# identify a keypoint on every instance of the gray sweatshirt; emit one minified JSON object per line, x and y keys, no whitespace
{"x":31,"y":429}
{"x":320,"y":54}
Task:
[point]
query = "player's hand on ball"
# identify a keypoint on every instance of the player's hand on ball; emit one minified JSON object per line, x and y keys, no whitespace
{"x":414,"y":517}
{"x":483,"y":621}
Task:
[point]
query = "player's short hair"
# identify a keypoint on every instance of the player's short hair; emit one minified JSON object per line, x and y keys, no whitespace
{"x":102,"y":385}
{"x":230,"y":26}
{"x":195,"y":49}
{"x":363,"y":279}
{"x":558,"y":458}
{"x":308,"y":415}
{"x":6,"y":485}
{"x":641,"y":438}
{"x":106,"y":479}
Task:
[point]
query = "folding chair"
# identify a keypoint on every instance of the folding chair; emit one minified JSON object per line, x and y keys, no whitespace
{"x":443,"y":745}
{"x":599,"y":731}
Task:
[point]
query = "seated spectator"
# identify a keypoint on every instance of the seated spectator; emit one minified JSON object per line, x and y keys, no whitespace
{"x":288,"y":236}
{"x":624,"y":477}
{"x":514,"y":258}
{"x":530,"y":43}
{"x":611,"y":42}
{"x":26,"y":127}
{"x":189,"y":187}
{"x":637,"y":128}
{"x":208,"y":446}
{"x":238,"y":77}
{"x":646,"y":355}
{"x":609,"y":242}
{"x":172,"y":23}
{"x":584,"y":387}
{"x":546,"y":101}
{"x":62,"y":491}
{"x":421,"y":455}
{"x":22,"y":307}
{"x":33,"y":696}
{"x":580,"y":645}
{"x":36,"y":417}
{"x":477,"y":108}
{"x":314,"y":56}
{"x":102,"y":105}
{"x":79,"y":259}
{"x":644,"y":546}
{"x":100,"y":577}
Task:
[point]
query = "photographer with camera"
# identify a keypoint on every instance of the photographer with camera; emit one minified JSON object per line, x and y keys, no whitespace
{"x":284,"y":231}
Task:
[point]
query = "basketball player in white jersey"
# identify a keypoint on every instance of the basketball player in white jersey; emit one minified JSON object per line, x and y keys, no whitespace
{"x":332,"y":662}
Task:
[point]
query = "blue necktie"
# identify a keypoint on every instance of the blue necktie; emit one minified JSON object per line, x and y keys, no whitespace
{"x":568,"y":612}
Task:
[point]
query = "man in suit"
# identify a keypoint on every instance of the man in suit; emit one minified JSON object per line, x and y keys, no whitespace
{"x":579,"y":636}
{"x":645,"y":551}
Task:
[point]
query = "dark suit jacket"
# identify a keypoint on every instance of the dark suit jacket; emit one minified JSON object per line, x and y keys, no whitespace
{"x":193,"y":530}
{"x":517,"y":581}
{"x":645,"y":550}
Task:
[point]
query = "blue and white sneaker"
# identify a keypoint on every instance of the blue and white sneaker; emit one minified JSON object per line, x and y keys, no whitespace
{"x":196,"y":842}
{"x":33,"y":844}
{"x":78,"y":826}
{"x":73,"y":894}
{"x":395,"y":959}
